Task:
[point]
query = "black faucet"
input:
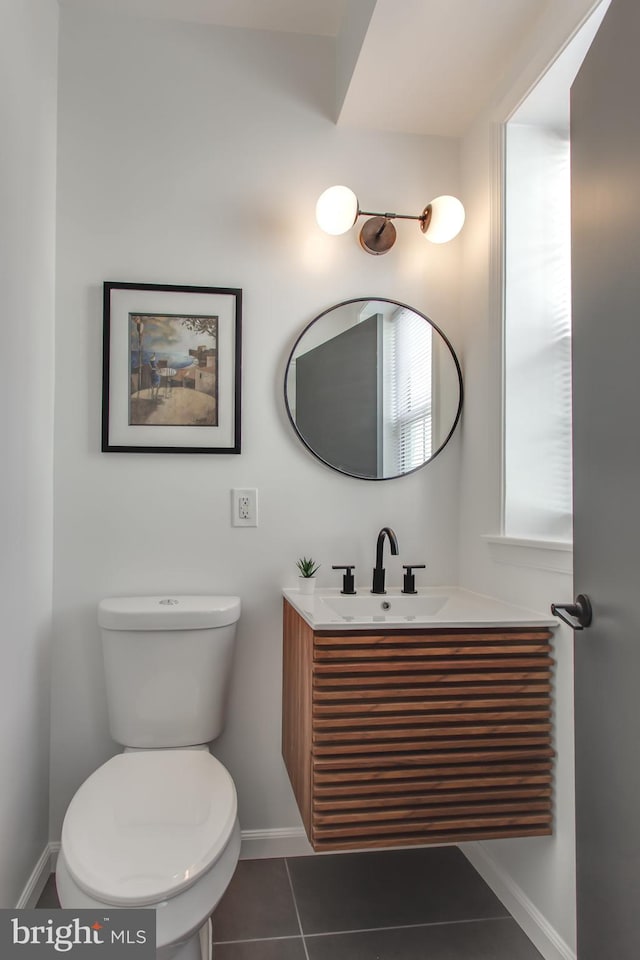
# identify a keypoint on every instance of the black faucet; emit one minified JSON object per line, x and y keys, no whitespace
{"x":378,"y":571}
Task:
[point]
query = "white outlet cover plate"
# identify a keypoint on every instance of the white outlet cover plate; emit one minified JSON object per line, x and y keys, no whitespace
{"x":244,"y":507}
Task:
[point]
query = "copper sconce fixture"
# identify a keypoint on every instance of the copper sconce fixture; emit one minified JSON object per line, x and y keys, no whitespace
{"x":337,"y":210}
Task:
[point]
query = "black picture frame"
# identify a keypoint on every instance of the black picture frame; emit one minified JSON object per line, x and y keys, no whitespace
{"x":171,"y":368}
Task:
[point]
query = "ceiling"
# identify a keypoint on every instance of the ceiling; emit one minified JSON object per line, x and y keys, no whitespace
{"x":429,"y":66}
{"x":320,"y":17}
{"x":411,"y":66}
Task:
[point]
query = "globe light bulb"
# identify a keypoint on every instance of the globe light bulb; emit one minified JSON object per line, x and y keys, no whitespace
{"x":445,"y":218}
{"x":337,"y":210}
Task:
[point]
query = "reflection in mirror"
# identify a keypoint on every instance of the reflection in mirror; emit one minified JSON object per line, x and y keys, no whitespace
{"x":373,"y":388}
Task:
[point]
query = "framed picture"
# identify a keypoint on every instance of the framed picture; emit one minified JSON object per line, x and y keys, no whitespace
{"x":171,"y":369}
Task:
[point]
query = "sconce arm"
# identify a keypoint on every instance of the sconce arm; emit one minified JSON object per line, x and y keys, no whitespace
{"x":392,"y":216}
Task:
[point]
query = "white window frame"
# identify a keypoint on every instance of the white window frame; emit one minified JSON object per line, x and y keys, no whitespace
{"x":536,"y":338}
{"x":553,"y":555}
{"x":537,"y":553}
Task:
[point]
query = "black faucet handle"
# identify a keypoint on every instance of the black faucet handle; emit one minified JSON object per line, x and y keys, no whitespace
{"x":409,"y":583}
{"x":348,"y":584}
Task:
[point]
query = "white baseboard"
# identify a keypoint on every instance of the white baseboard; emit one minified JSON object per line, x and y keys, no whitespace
{"x":545,"y":937}
{"x":278,"y":842}
{"x":255,"y":845}
{"x":37,"y":881}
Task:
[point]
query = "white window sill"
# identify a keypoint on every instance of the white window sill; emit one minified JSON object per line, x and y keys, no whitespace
{"x":553,"y":555}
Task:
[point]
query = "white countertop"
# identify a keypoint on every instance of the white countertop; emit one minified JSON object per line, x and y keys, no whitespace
{"x":431,"y":607}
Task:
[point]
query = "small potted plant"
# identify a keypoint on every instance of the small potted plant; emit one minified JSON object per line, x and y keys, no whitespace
{"x":308,"y":569}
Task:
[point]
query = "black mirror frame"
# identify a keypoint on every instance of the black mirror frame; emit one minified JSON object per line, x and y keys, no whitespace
{"x":396,"y":303}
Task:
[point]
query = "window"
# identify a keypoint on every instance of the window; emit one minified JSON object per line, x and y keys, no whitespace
{"x":537,"y":336}
{"x":537,"y":303}
{"x":408,"y":395}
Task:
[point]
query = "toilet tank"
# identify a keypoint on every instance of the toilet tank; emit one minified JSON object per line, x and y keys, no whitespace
{"x":167,"y":666}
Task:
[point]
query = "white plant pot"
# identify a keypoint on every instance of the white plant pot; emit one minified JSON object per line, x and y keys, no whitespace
{"x":306,"y":585}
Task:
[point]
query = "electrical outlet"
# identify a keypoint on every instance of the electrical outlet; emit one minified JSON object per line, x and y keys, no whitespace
{"x":244,"y":508}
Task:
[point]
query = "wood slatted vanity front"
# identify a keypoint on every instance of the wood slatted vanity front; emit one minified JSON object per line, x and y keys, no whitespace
{"x":418,"y":736}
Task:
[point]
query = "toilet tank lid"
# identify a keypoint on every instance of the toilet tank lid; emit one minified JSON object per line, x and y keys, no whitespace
{"x":168,"y":612}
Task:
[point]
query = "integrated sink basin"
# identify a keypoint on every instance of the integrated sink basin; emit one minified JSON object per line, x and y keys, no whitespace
{"x":432,"y":607}
{"x":385,"y":606}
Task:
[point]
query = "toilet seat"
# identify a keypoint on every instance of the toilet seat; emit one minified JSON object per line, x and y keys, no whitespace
{"x":145,"y":825}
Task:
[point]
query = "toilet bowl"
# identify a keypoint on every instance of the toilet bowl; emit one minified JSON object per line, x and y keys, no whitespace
{"x":153,"y":829}
{"x":156,"y":826}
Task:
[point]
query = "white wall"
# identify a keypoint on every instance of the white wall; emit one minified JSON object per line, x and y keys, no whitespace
{"x":539,"y":873}
{"x":543,"y":869}
{"x":195,"y":155}
{"x":28,"y":65}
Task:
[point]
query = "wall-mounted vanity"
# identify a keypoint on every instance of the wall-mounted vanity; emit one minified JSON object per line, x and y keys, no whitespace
{"x":416,"y":720}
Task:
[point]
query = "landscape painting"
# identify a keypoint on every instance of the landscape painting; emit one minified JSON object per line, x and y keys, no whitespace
{"x":173,"y":366}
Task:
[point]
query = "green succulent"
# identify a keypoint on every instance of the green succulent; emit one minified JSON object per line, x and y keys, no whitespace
{"x":307,"y":567}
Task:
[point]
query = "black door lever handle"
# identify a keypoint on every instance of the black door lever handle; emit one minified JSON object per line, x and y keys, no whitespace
{"x":577,"y":615}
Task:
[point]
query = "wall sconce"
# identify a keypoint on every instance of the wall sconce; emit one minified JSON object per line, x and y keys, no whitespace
{"x":338,"y":209}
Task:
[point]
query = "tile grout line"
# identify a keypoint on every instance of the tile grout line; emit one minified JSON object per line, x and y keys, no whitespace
{"x":226,"y":943}
{"x":295,"y":904}
{"x":407,"y":926}
{"x":342,"y":933}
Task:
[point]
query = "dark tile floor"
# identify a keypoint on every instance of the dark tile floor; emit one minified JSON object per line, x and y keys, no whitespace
{"x":386,"y":905}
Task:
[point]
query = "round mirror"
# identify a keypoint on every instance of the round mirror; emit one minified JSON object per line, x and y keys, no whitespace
{"x":373,"y":388}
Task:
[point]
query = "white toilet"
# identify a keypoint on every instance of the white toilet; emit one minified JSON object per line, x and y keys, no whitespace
{"x":157,"y":826}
